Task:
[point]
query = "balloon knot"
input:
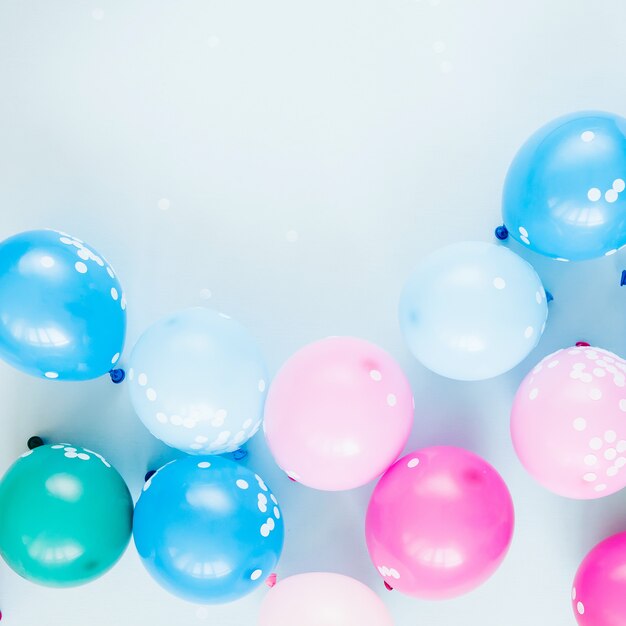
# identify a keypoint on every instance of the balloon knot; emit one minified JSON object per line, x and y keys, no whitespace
{"x":117,"y":375}
{"x":293,"y":480}
{"x":622,"y":281}
{"x":270,"y":581}
{"x":549,"y":296}
{"x":35,"y":442}
{"x":502,"y":232}
{"x":388,"y":587}
{"x":582,"y":344}
{"x":149,"y":475}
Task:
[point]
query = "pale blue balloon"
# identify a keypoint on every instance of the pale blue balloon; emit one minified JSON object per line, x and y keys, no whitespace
{"x":472,"y":310}
{"x":564,"y":194}
{"x":208,"y":530}
{"x":198,"y":382}
{"x":62,"y":309}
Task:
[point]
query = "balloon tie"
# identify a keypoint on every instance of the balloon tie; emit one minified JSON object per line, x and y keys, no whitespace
{"x":388,"y":587}
{"x":502,"y":232}
{"x":149,"y":475}
{"x":582,"y":344}
{"x":117,"y":375}
{"x":622,"y":281}
{"x":35,"y":442}
{"x":549,"y":296}
{"x":270,"y":581}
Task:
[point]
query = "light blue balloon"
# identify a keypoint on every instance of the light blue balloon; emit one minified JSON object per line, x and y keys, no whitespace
{"x":62,"y":309}
{"x":198,"y":382}
{"x":472,"y":310}
{"x":207,"y":529}
{"x":564,"y":193}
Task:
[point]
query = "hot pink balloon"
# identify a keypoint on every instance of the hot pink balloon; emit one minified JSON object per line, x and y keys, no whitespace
{"x":322,"y":599}
{"x":568,"y":422}
{"x":599,"y":592}
{"x":439,"y":523}
{"x":338,"y":413}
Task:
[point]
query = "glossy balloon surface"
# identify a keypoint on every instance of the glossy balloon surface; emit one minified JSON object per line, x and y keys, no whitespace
{"x":322,"y":599}
{"x":66,"y":515}
{"x":564,"y":193}
{"x":198,"y":382}
{"x":62,"y":309}
{"x":568,"y":422}
{"x":599,"y":590}
{"x":439,"y":523}
{"x":208,"y":529}
{"x":472,"y":310}
{"x":338,"y":413}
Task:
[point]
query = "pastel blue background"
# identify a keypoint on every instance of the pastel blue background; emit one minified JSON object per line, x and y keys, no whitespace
{"x":289,"y":163}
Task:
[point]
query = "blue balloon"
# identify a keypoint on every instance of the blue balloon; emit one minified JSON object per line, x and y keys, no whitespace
{"x":473,"y":310}
{"x":564,"y":192}
{"x":62,"y":309}
{"x":198,"y":382}
{"x":207,"y":529}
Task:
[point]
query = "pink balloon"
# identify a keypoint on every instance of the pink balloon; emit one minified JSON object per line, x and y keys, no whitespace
{"x":599,"y":592}
{"x":568,"y":422}
{"x":322,"y":599}
{"x":338,"y":413}
{"x":439,"y":523}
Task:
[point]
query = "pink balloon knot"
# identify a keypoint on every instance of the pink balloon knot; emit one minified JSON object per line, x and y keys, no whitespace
{"x":582,"y":344}
{"x":293,"y":480}
{"x":270,"y":581}
{"x":388,"y":587}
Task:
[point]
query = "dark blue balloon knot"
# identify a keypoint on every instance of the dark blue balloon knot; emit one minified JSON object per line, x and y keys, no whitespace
{"x":622,"y":281}
{"x":149,"y":475}
{"x":502,"y":232}
{"x":117,"y":375}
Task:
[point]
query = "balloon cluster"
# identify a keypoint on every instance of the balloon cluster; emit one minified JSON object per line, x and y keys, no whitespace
{"x":337,"y":415}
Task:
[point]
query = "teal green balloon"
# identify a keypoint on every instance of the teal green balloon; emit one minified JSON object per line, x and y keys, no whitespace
{"x":65,"y":515}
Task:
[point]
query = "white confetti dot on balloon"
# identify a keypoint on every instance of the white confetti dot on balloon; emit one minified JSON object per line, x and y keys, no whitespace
{"x":204,"y":465}
{"x":51,"y":374}
{"x":163,"y":204}
{"x":392,"y":400}
{"x":413,"y":463}
{"x":587,"y":136}
{"x":219,"y":417}
{"x":499,"y":283}
{"x":265,"y":531}
{"x":151,"y":394}
{"x":528,"y":333}
{"x":261,"y":385}
{"x":595,"y":394}
{"x":580,"y":607}
{"x":590,"y":477}
{"x":594,"y":194}
{"x":533,"y":393}
{"x":580,"y":423}
{"x":591,"y":460}
{"x":80,"y":267}
{"x":142,"y":379}
{"x":376,"y":375}
{"x":611,"y":196}
{"x":619,"y":185}
{"x":276,"y":512}
{"x":610,"y":436}
{"x":114,"y":293}
{"x":115,"y":357}
{"x":595,"y":443}
{"x":256,"y":574}
{"x":242,"y":484}
{"x":161,"y":417}
{"x":610,"y":454}
{"x":601,"y":487}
